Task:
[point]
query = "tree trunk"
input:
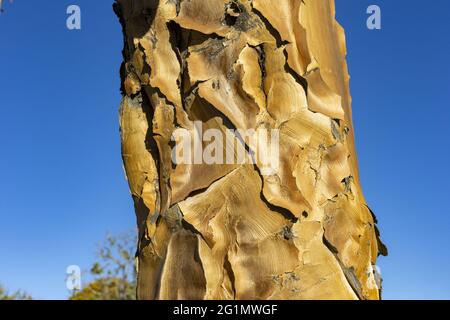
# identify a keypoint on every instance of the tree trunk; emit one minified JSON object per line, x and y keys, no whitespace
{"x":235,"y":230}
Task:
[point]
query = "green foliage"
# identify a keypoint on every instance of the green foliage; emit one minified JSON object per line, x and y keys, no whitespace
{"x":107,"y":289}
{"x":18,"y":295}
{"x":114,"y":274}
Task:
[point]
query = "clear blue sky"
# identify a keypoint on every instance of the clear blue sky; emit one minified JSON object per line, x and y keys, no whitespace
{"x":62,"y":186}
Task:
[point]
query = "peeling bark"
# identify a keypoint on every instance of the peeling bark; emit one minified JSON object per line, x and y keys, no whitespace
{"x":226,"y":231}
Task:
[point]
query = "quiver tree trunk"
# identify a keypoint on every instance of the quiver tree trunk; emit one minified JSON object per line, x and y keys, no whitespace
{"x":227,"y":230}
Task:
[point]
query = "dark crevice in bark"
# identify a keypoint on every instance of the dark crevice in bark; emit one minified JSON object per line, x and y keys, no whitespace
{"x":229,"y":269}
{"x":150,"y":142}
{"x":190,"y":95}
{"x":200,"y":191}
{"x":274,"y":32}
{"x":125,"y":50}
{"x":336,"y":129}
{"x":349,"y":273}
{"x":353,"y":280}
{"x":280,"y":43}
{"x":288,"y":215}
{"x":298,"y":78}
{"x":237,"y":16}
{"x":382,"y":248}
{"x":197,"y":37}
{"x":328,"y":244}
{"x":189,"y":227}
{"x":261,"y":61}
{"x":177,"y":45}
{"x":152,"y":148}
{"x":136,"y":18}
{"x":142,"y":213}
{"x":205,"y":111}
{"x":347,"y":182}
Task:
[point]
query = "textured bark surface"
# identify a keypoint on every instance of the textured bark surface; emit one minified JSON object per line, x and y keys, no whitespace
{"x":227,"y":231}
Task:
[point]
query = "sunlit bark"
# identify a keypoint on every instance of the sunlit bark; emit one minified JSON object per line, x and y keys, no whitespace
{"x":228,"y":231}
